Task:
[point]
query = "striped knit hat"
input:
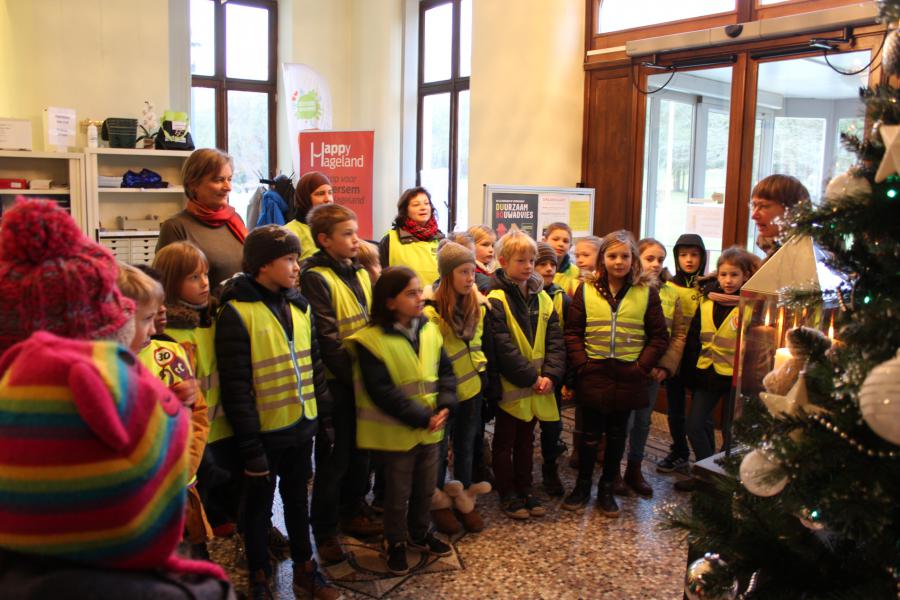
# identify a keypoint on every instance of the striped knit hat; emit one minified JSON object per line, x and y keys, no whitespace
{"x":93,"y":457}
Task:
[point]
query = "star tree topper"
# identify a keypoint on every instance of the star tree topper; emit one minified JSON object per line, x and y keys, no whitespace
{"x":890,"y":163}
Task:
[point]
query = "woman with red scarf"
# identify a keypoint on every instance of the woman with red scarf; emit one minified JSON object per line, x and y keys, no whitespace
{"x":413,"y":240}
{"x":207,"y":220}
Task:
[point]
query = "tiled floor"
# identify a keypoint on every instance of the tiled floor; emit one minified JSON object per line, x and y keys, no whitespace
{"x":562,"y":555}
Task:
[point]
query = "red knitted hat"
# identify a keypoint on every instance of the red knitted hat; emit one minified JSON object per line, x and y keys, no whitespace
{"x":53,"y":278}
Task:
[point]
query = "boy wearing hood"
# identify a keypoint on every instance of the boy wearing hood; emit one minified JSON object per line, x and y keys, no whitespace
{"x":690,"y":265}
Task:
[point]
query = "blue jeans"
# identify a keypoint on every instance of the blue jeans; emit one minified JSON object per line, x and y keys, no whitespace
{"x":700,"y":424}
{"x":464,"y":427}
{"x":639,"y":425}
{"x":675,"y":413}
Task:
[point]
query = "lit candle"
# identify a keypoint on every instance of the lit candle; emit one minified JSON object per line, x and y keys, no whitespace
{"x":831,"y":328}
{"x":780,"y":324}
{"x":782,"y":355}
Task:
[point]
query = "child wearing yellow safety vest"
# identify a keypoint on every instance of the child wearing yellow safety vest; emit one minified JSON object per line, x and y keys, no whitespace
{"x":711,"y":343}
{"x":168,"y":361}
{"x":559,"y":237}
{"x":405,"y":390}
{"x":413,"y":240}
{"x":653,"y":255}
{"x":273,"y":388}
{"x":615,"y":335}
{"x":529,"y":359}
{"x":313,"y":189}
{"x":339,"y":290}
{"x":458,"y":309}
{"x":551,"y":431}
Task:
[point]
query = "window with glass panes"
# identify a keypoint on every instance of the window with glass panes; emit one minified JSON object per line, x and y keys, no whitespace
{"x":442,"y":141}
{"x":233,"y":87}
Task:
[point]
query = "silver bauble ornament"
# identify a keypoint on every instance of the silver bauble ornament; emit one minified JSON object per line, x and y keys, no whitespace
{"x":710,"y":578}
{"x":879,"y":400}
{"x":762,"y":475}
{"x":890,"y":56}
{"x":846,"y":185}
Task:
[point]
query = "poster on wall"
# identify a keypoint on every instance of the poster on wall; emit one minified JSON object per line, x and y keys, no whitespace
{"x":533,"y":208}
{"x":346,"y":158}
{"x":309,"y":102}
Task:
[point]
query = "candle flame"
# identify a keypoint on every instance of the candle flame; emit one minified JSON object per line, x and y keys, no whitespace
{"x":831,"y":328}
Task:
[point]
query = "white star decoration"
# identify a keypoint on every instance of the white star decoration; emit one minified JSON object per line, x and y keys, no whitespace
{"x":788,"y":406}
{"x":890,"y":163}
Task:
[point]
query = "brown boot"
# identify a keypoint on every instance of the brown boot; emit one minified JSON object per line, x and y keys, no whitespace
{"x":330,"y":551}
{"x":635,"y":479}
{"x":445,"y":521}
{"x":618,"y":486}
{"x":361,"y":526}
{"x":472,"y":521}
{"x":309,"y":583}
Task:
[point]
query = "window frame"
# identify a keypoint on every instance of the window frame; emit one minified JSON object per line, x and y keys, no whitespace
{"x":222,"y":84}
{"x":454,"y":86}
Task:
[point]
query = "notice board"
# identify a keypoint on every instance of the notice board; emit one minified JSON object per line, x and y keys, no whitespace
{"x":533,"y":208}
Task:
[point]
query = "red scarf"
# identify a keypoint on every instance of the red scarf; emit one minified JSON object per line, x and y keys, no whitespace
{"x":216,"y":218}
{"x":421,"y":232}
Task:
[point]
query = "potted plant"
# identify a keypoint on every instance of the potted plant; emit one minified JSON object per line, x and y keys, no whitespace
{"x":148,"y":125}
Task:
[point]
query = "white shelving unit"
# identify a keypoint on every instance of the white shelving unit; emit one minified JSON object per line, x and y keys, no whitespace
{"x":106,"y":205}
{"x":63,"y":168}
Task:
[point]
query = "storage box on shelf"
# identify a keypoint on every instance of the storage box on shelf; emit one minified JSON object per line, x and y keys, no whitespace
{"x":65,"y":169}
{"x":105,"y":205}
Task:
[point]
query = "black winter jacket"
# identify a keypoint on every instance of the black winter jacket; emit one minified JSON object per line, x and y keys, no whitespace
{"x":389,"y":399}
{"x":236,"y":372}
{"x":506,"y":360}
{"x":317,"y":291}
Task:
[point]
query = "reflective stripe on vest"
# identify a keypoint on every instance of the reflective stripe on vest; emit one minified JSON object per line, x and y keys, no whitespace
{"x":717,"y":345}
{"x":524,"y":403}
{"x":200,"y":345}
{"x":414,"y":375}
{"x":283,"y":381}
{"x":468,"y":359}
{"x":419,"y":256}
{"x":668,"y":297}
{"x":690,"y":300}
{"x":569,"y":279}
{"x":558,"y":306}
{"x":303,"y":232}
{"x":350,"y":315}
{"x":619,"y":334}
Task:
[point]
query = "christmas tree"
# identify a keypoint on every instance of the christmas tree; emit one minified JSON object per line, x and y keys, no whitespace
{"x":811,"y":505}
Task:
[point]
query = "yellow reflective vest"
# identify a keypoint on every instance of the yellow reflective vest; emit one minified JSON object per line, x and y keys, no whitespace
{"x":690,"y":299}
{"x":669,"y":297}
{"x":283,"y":379}
{"x":167,"y":360}
{"x":302,"y":231}
{"x":524,"y":403}
{"x":468,"y":358}
{"x":717,"y":345}
{"x":415,"y":375}
{"x":350,"y":315}
{"x":568,"y":279}
{"x":200,"y":345}
{"x":619,"y":334}
{"x":419,"y":256}
{"x":559,"y":306}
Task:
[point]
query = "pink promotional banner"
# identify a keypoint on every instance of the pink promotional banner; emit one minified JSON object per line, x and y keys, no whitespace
{"x":346,"y":158}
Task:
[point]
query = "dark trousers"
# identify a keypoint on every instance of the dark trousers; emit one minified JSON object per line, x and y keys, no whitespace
{"x":513,"y":454}
{"x":675,"y":399}
{"x":551,"y":431}
{"x":342,"y":471}
{"x":700,"y":424}
{"x":597,"y":424}
{"x":408,"y":487}
{"x":219,"y":482}
{"x":291,"y":466}
{"x":462,"y":429}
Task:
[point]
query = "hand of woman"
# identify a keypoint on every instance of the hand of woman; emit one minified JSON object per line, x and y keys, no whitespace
{"x":438,"y":420}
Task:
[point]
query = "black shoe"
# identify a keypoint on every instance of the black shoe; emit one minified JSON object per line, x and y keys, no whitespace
{"x":278,"y":544}
{"x":579,"y":496}
{"x":606,"y":500}
{"x":534,"y":506}
{"x":686,"y":485}
{"x":395,"y":556}
{"x":431,"y":545}
{"x":672,"y":463}
{"x":551,"y":482}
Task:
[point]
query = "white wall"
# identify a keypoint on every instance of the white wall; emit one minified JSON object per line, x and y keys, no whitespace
{"x":527,"y":91}
{"x":101,"y":57}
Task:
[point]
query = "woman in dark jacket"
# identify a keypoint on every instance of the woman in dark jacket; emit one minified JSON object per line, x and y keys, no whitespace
{"x":615,"y":335}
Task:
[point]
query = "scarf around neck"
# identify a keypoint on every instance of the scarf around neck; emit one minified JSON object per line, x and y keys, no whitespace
{"x":421,"y":232}
{"x":216,"y":218}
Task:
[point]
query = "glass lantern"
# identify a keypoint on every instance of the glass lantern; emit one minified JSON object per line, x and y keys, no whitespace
{"x":765,"y":319}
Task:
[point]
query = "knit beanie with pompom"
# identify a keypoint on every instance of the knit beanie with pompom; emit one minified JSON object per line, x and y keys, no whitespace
{"x":53,"y":278}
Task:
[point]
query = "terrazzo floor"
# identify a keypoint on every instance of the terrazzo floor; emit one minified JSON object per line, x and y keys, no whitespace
{"x":563,"y":555}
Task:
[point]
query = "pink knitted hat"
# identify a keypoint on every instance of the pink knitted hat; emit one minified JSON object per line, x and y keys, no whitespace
{"x":53,"y":278}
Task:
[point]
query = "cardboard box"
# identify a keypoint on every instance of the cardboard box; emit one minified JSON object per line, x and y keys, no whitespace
{"x":8,"y":183}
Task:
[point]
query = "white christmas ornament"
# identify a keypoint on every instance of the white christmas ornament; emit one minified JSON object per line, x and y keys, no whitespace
{"x":890,"y":162}
{"x":790,"y":405}
{"x":844,"y":185}
{"x":879,"y":400}
{"x":761,"y":475}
